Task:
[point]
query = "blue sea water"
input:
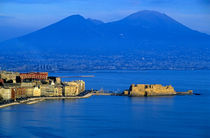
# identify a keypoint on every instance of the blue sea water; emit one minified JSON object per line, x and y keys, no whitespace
{"x":118,"y":116}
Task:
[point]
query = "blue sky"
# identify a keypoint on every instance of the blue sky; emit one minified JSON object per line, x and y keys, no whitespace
{"x":18,"y":17}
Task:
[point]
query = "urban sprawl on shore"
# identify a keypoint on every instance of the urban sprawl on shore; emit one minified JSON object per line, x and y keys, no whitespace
{"x":15,"y":86}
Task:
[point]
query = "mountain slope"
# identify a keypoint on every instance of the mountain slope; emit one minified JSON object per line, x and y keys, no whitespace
{"x":153,"y":27}
{"x":75,"y":33}
{"x":59,"y":36}
{"x":142,"y":34}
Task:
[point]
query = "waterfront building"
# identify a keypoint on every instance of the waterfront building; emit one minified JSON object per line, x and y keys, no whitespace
{"x":18,"y":93}
{"x":47,"y":90}
{"x":79,"y":83}
{"x":6,"y":93}
{"x":36,"y":91}
{"x":34,"y":76}
{"x":9,"y":76}
{"x":36,"y":84}
{"x":29,"y":91}
{"x":58,"y":91}
{"x":71,"y":90}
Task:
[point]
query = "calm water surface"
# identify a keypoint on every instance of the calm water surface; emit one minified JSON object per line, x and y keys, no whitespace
{"x":116,"y":116}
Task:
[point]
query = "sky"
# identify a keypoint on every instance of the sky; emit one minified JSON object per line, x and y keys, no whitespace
{"x":19,"y":17}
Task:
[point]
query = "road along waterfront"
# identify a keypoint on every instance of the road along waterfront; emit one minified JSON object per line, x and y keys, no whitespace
{"x":40,"y":99}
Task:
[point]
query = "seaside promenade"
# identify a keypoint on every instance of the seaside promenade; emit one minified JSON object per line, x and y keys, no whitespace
{"x":40,"y":99}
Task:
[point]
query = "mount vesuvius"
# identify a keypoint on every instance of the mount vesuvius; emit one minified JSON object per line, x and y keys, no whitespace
{"x":143,"y":35}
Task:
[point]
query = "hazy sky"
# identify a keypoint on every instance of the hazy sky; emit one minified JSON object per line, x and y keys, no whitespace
{"x":18,"y":17}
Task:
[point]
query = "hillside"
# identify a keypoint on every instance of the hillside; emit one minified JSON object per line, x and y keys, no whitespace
{"x":145,"y":34}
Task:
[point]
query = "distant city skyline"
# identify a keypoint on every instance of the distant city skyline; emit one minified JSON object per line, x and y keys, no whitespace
{"x":19,"y":17}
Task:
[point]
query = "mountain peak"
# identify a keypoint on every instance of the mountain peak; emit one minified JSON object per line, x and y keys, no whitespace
{"x":145,"y":14}
{"x":150,"y":19}
{"x":74,"y":17}
{"x":72,"y":20}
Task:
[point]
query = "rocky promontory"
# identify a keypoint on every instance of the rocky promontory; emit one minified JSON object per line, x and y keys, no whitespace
{"x":140,"y":90}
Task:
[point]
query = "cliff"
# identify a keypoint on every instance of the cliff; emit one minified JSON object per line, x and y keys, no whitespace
{"x":149,"y":90}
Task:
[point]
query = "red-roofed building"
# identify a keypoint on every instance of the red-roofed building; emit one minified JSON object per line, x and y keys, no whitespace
{"x":34,"y":75}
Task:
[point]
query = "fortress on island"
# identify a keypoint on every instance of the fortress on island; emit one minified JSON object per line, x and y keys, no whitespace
{"x":140,"y":90}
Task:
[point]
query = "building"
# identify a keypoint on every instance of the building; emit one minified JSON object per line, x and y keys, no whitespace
{"x":34,"y":76}
{"x":28,"y":84}
{"x":6,"y":93}
{"x":17,"y":86}
{"x":9,"y":76}
{"x":58,"y":91}
{"x":149,"y":90}
{"x":58,"y":80}
{"x":71,"y":90}
{"x":11,"y":85}
{"x":79,"y":83}
{"x":47,"y":90}
{"x":18,"y":93}
{"x":29,"y":91}
{"x":74,"y":88}
{"x":36,"y":91}
{"x":12,"y":93}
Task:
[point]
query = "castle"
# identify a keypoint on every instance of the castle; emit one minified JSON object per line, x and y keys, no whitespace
{"x":152,"y":90}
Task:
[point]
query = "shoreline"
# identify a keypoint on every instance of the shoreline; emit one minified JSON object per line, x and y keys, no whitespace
{"x":35,"y":100}
{"x":9,"y":104}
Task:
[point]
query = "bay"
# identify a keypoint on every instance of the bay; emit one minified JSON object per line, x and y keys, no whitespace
{"x":118,"y":116}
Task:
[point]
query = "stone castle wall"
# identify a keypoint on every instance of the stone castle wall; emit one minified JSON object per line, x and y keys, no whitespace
{"x":149,"y":90}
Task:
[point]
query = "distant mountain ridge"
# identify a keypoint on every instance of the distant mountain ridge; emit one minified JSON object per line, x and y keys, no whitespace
{"x":145,"y":34}
{"x":136,"y":30}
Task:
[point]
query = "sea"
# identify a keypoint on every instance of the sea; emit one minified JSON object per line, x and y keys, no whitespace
{"x":118,"y":116}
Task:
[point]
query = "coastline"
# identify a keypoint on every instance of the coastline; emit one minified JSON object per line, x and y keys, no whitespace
{"x":40,"y":99}
{"x":9,"y":104}
{"x":35,"y":100}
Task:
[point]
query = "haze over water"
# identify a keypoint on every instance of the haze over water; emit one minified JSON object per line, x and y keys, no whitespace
{"x":118,"y":116}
